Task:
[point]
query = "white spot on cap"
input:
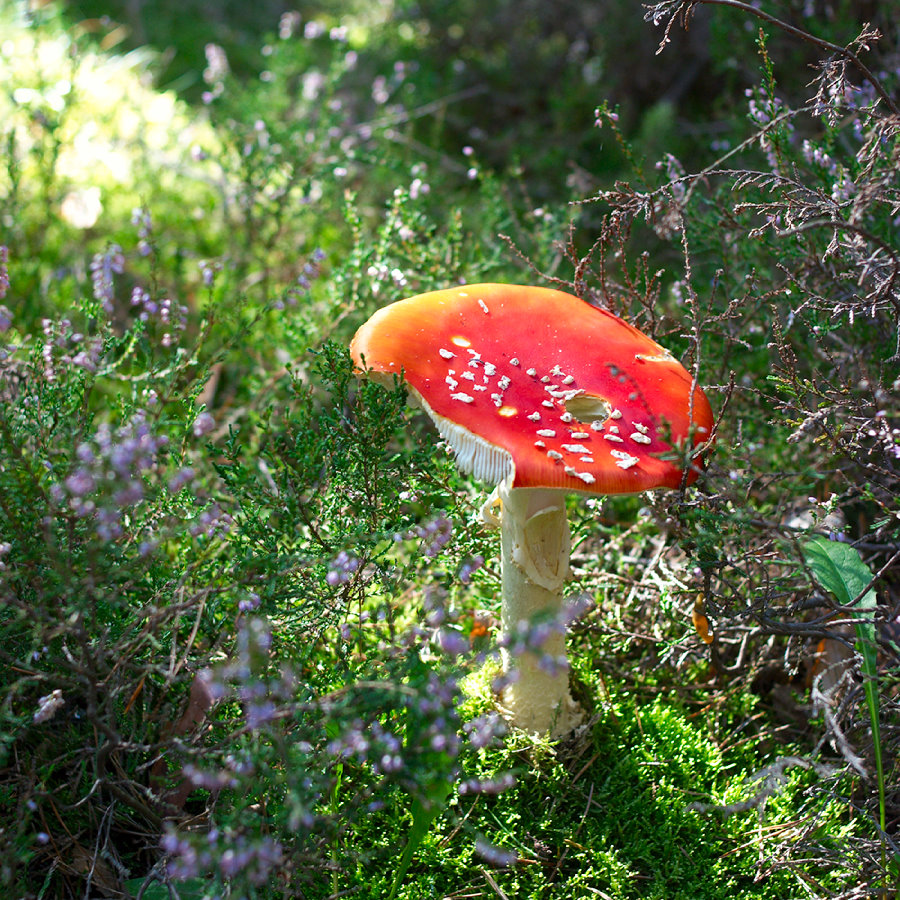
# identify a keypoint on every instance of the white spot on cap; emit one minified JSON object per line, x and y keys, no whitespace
{"x":483,"y":305}
{"x":546,"y":432}
{"x":580,"y":435}
{"x":514,"y":361}
{"x":548,"y":403}
{"x":531,"y":372}
{"x":539,"y":444}
{"x":643,"y":429}
{"x":639,"y":438}
{"x":586,"y":477}
{"x":616,"y":414}
{"x":575,"y":448}
{"x":613,"y":437}
{"x":463,"y":398}
{"x":490,"y":369}
{"x":624,"y":460}
{"x":535,"y":417}
{"x":556,"y":457}
{"x":561,"y":394}
{"x":503,"y":382}
{"x":447,"y":354}
{"x":568,"y":379}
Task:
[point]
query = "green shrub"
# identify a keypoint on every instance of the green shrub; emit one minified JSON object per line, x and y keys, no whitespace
{"x":246,"y":614}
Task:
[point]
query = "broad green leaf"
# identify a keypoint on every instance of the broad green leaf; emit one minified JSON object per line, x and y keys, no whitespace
{"x":839,"y":569}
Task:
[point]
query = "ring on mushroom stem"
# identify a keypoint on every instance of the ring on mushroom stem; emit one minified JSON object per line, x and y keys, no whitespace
{"x":541,"y":395}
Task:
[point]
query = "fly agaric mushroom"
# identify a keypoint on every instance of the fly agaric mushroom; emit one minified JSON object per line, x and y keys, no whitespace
{"x":542,"y":395}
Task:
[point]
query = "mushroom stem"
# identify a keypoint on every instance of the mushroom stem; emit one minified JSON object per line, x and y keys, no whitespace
{"x":535,"y":544}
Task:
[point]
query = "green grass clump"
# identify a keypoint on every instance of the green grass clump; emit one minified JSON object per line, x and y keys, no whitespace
{"x":634,"y":808}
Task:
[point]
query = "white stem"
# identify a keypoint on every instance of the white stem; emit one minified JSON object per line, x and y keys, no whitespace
{"x":535,"y":544}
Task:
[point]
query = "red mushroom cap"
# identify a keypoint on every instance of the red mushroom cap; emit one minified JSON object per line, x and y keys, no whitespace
{"x":537,"y":386}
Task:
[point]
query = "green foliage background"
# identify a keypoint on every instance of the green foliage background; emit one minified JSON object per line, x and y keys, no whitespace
{"x":248,"y":613}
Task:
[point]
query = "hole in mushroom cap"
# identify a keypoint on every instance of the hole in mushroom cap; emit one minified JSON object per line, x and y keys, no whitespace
{"x":588,"y":407}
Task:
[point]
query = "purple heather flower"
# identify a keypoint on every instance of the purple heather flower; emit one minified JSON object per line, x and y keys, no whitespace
{"x":203,"y":424}
{"x":103,"y":267}
{"x":180,"y":479}
{"x":48,"y":705}
{"x":4,"y":271}
{"x":248,"y":604}
{"x":131,"y":494}
{"x":141,"y":218}
{"x":493,"y":854}
{"x":553,"y":665}
{"x":288,"y":24}
{"x":482,"y":730}
{"x":259,"y":713}
{"x":216,"y":62}
{"x":437,"y":533}
{"x":341,"y":569}
{"x":496,"y":785}
{"x":166,"y":312}
{"x":469,"y":567}
{"x":390,"y":762}
{"x":313,"y":30}
{"x":208,"y":272}
{"x":80,"y":483}
{"x":451,"y":642}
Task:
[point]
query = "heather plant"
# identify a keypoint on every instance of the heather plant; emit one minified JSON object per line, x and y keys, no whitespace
{"x":135,"y":571}
{"x":788,"y":270}
{"x":158,"y":537}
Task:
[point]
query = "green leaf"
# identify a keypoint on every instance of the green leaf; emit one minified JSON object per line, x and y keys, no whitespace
{"x":839,"y":569}
{"x":190,"y":889}
{"x":424,"y":811}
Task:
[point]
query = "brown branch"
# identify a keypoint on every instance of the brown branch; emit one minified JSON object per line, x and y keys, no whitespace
{"x":837,"y":49}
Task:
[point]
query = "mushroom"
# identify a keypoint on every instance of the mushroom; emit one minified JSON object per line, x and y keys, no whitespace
{"x":543,"y":395}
